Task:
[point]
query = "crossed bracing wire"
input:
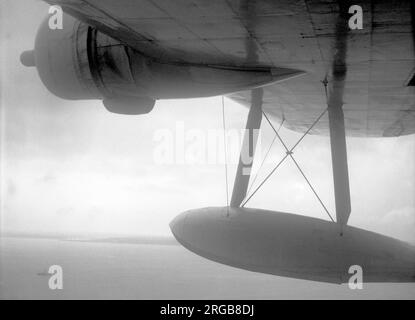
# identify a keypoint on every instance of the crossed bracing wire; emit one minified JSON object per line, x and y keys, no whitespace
{"x":288,"y":154}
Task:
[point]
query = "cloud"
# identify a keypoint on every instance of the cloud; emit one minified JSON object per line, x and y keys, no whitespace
{"x":400,"y":223}
{"x":74,"y":167}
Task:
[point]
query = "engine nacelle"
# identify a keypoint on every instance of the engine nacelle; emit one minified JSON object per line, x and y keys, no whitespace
{"x":79,"y":62}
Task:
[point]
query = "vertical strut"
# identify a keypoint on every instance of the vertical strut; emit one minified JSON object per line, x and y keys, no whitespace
{"x":336,"y":116}
{"x":339,"y":158}
{"x":246,"y":158}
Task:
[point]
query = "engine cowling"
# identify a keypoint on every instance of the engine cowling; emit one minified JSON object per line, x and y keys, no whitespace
{"x":79,"y":62}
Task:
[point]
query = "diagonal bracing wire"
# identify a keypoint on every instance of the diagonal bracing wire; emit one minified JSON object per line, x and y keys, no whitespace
{"x":265,"y":180}
{"x":264,"y":159}
{"x":286,"y":156}
{"x":299,"y":168}
{"x":312,"y":188}
{"x":289,"y":153}
{"x":262,"y":164}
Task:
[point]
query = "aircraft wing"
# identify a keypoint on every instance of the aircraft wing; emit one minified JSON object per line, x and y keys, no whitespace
{"x":379,"y":91}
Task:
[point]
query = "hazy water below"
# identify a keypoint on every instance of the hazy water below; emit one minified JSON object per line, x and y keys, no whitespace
{"x":117,"y":270}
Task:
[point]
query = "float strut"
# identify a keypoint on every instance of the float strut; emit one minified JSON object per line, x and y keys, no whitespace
{"x":339,"y":155}
{"x":246,"y":158}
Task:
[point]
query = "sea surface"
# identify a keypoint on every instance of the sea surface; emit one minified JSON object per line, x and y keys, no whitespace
{"x":144,"y":269}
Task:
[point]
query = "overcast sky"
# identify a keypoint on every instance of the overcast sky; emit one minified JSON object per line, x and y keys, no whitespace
{"x":72,"y":167}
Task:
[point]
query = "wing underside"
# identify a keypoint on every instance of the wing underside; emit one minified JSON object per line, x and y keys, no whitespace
{"x":379,"y":91}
